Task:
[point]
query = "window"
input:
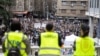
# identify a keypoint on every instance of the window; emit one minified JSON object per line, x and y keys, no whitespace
{"x":91,"y":3}
{"x":19,"y":3}
{"x":64,"y":3}
{"x":73,"y":3}
{"x":95,"y":3}
{"x":98,"y":2}
{"x":73,"y":11}
{"x":83,"y":3}
{"x":63,"y":10}
{"x":63,"y":0}
{"x":31,"y":3}
{"x":82,"y":12}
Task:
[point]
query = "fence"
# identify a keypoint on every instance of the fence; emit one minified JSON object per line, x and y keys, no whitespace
{"x":66,"y":51}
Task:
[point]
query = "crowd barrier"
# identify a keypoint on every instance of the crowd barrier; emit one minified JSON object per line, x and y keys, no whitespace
{"x":64,"y":51}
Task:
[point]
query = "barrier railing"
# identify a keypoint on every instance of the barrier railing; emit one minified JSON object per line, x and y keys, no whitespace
{"x":66,"y":51}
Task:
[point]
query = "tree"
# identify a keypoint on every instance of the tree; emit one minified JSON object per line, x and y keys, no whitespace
{"x":4,"y":9}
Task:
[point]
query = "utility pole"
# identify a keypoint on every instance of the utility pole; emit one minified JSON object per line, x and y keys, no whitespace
{"x":91,"y":19}
{"x":98,"y":28}
{"x":44,"y":4}
{"x":47,"y":12}
{"x":39,"y":8}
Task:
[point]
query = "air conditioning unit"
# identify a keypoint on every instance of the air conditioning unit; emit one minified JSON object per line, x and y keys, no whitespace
{"x":72,"y":4}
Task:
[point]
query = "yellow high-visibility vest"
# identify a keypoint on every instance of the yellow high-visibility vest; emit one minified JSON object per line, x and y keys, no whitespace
{"x":15,"y":37}
{"x":84,"y":47}
{"x":49,"y":44}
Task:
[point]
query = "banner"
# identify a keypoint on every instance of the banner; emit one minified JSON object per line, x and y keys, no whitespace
{"x":37,"y":25}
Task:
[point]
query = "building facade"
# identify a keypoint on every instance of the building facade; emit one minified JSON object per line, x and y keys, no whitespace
{"x":23,"y":5}
{"x":40,"y":7}
{"x":73,"y":8}
{"x":94,"y":16}
{"x":94,"y":8}
{"x":44,"y":6}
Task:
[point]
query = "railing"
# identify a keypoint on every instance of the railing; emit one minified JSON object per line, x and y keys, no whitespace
{"x":66,"y":51}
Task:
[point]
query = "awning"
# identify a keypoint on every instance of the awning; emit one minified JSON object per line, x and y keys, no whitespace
{"x":20,"y":12}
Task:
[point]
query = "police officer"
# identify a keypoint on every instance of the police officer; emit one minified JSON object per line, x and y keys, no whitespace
{"x":13,"y":37}
{"x":84,"y":45}
{"x":49,"y":42}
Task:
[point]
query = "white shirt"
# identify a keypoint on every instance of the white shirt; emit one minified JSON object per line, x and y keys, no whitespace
{"x":69,"y":40}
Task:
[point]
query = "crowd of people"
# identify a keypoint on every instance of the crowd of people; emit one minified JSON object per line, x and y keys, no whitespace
{"x":33,"y":27}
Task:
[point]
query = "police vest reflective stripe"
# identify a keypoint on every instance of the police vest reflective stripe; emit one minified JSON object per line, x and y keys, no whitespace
{"x":49,"y":44}
{"x":49,"y":48}
{"x":19,"y":48}
{"x":48,"y":55}
{"x":84,"y":47}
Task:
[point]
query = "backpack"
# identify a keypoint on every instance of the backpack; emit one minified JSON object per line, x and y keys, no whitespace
{"x":13,"y":50}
